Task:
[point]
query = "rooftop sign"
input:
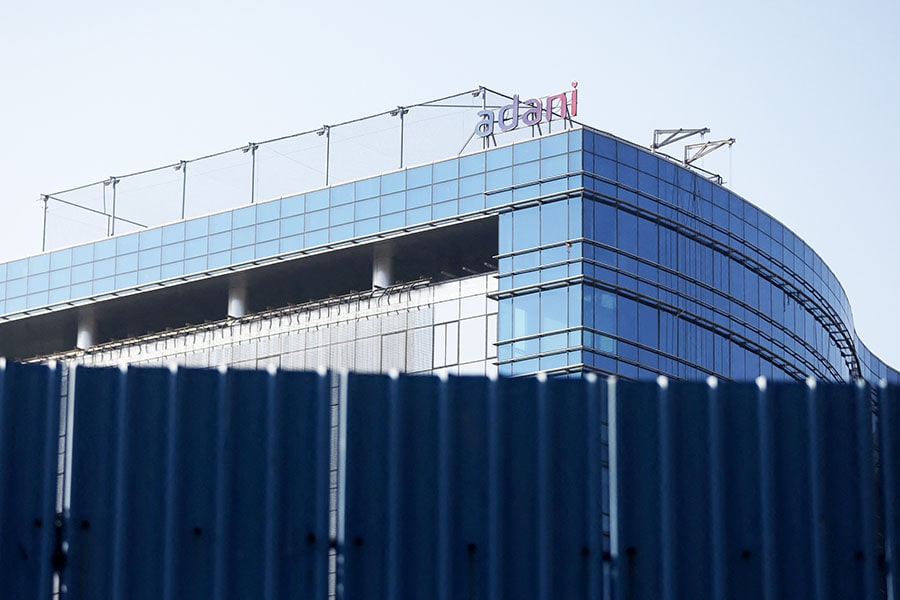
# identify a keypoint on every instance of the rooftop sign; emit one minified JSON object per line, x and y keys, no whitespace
{"x":528,"y":112}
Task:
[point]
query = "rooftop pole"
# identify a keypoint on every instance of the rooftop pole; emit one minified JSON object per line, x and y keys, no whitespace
{"x":182,"y":166}
{"x":326,"y":131}
{"x":400,"y":111}
{"x":112,"y":230}
{"x":251,"y":148}
{"x":44,"y":198}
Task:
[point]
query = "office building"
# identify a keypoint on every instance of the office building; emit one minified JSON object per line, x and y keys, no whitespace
{"x":562,"y":249}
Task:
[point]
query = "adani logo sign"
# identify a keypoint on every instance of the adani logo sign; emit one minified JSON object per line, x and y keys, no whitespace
{"x":528,"y":112}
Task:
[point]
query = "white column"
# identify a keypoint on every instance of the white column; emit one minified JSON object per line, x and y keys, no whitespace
{"x":237,"y":299}
{"x":382,"y":267}
{"x":86,"y":331}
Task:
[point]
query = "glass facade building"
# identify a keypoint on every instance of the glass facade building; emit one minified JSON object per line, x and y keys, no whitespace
{"x":607,"y":258}
{"x":444,"y":328}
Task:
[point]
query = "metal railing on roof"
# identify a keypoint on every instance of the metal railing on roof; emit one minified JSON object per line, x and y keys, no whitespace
{"x":257,"y":171}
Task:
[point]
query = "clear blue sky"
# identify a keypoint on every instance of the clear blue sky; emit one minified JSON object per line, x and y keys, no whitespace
{"x":810,"y":90}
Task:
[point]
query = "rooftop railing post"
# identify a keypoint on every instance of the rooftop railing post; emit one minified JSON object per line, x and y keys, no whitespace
{"x":44,"y":199}
{"x":182,"y":166}
{"x":326,"y":131}
{"x":103,"y":188}
{"x":253,"y":148}
{"x":401,"y":111}
{"x":112,"y":229}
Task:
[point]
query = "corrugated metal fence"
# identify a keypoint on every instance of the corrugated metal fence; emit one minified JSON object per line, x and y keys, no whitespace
{"x":29,"y":430}
{"x":198,"y":484}
{"x":226,"y":484}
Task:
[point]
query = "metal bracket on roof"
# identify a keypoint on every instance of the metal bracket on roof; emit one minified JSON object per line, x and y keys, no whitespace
{"x":701,"y":150}
{"x":674,"y":135}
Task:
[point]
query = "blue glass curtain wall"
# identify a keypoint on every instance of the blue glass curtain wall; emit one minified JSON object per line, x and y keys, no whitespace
{"x":700,"y":281}
{"x":540,"y":271}
{"x":611,"y":259}
{"x":404,"y":199}
{"x":678,"y":276}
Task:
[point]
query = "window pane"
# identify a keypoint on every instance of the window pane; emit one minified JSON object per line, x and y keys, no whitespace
{"x":219,"y":223}
{"x":499,"y":179}
{"x":627,"y":318}
{"x":553,"y":145}
{"x":195,"y":228}
{"x":648,"y":323}
{"x":506,"y":231}
{"x":105,"y":268}
{"x":526,"y":172}
{"x":605,"y":307}
{"x":501,"y":157}
{"x":554,"y":222}
{"x":268,"y":211}
{"x":527,"y":151}
{"x":446,"y":170}
{"x":446,"y":191}
{"x":605,"y":224}
{"x":126,"y":263}
{"x":267,"y":231}
{"x":393,"y":203}
{"x":194,"y":248}
{"x":525,"y":315}
{"x":292,"y":225}
{"x":648,"y":237}
{"x":469,"y":165}
{"x":59,"y":278}
{"x":173,"y":233}
{"x":81,"y":255}
{"x":317,"y":200}
{"x":244,"y":216}
{"x":126,"y":244}
{"x":418,"y":198}
{"x":172,"y":253}
{"x":575,"y":302}
{"x":150,"y":238}
{"x":341,"y":214}
{"x":293,"y":205}
{"x":627,"y":231}
{"x":627,"y":154}
{"x":317,"y":220}
{"x":575,"y":227}
{"x":241,"y":237}
{"x":418,"y":177}
{"x":103,"y":249}
{"x":551,"y":167}
{"x":61,"y":259}
{"x":393,"y":182}
{"x":554,"y":304}
{"x":526,"y":228}
{"x":149,"y":258}
{"x":342,"y":194}
{"x":220,"y":241}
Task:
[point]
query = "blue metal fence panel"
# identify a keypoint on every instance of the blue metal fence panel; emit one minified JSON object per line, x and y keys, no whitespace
{"x":470,"y":487}
{"x":570,"y":472}
{"x":203,"y":483}
{"x":740,"y":492}
{"x":29,"y":438}
{"x":735,"y":508}
{"x":198,"y":483}
{"x":889,"y":429}
{"x":636,"y":543}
